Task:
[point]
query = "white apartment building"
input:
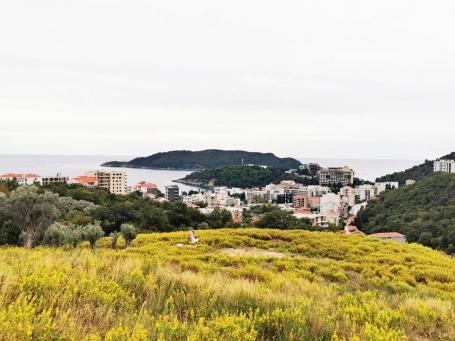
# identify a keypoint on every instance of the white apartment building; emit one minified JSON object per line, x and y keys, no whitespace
{"x":330,"y":202}
{"x":366,"y":192}
{"x":383,"y":186}
{"x":253,"y":196}
{"x":348,"y":195}
{"x":445,"y":166}
{"x":272,"y":191}
{"x":317,"y":190}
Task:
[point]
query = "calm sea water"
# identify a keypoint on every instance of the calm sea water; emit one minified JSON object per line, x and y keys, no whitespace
{"x":71,"y":166}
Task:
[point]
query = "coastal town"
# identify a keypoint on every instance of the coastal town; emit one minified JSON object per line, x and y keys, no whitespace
{"x":334,"y":202}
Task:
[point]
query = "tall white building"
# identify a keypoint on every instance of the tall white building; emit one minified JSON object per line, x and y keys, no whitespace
{"x":445,"y":166}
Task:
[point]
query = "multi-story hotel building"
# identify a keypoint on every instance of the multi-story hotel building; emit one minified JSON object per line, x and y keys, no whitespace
{"x":336,"y":175}
{"x":115,"y":182}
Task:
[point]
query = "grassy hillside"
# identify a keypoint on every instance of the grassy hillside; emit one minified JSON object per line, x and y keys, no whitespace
{"x":244,"y":284}
{"x":424,"y":212}
{"x":417,"y":173}
{"x":206,"y":159}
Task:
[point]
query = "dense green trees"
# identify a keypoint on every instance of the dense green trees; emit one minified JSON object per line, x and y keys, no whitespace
{"x":207,"y":159}
{"x":30,"y":212}
{"x":243,"y":177}
{"x":424,"y":212}
{"x":282,"y":220}
{"x":64,"y":215}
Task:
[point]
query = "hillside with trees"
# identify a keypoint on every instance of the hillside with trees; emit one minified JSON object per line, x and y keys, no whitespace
{"x":61,"y":214}
{"x":424,"y":212}
{"x":205,"y":159}
{"x":416,"y":173}
{"x":242,"y":177}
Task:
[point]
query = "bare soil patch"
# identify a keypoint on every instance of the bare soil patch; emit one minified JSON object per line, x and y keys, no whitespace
{"x":251,"y":252}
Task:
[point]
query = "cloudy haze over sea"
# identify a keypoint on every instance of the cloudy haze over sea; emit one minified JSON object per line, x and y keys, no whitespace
{"x":341,"y":79}
{"x":71,"y":165}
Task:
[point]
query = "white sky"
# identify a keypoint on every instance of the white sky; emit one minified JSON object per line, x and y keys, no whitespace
{"x":342,"y":79}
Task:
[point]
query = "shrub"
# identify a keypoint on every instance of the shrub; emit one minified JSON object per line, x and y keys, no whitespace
{"x":91,"y":233}
{"x":58,"y":235}
{"x":129,"y":233}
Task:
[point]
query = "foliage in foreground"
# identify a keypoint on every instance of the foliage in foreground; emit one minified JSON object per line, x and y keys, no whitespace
{"x":242,"y":284}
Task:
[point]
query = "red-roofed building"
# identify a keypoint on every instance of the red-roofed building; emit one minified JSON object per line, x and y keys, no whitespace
{"x":23,"y":179}
{"x":87,"y":181}
{"x":398,"y":237}
{"x":148,"y":190}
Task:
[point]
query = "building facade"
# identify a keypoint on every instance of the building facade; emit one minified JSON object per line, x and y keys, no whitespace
{"x":114,"y":182}
{"x":336,"y":175}
{"x":23,"y":179}
{"x":172,"y":192}
{"x":444,"y":166}
{"x":58,"y":179}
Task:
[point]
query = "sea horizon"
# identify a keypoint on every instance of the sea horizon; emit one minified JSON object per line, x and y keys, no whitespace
{"x":74,"y":165}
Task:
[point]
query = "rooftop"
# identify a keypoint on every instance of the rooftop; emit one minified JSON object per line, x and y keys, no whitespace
{"x":387,"y":235}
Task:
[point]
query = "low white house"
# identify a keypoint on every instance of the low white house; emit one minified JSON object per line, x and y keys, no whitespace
{"x":23,"y":179}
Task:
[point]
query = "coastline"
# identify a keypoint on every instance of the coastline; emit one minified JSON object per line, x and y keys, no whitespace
{"x":151,"y":168}
{"x":194,"y":184}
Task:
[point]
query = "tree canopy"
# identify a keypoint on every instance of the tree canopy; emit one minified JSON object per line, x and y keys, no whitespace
{"x":424,"y":212}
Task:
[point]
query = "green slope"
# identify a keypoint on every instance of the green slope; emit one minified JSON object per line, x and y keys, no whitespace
{"x":415,"y":173}
{"x":424,"y":212}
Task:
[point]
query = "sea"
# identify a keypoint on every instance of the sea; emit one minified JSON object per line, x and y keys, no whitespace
{"x":74,"y":165}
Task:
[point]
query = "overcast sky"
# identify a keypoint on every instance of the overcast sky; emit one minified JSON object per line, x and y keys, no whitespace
{"x":342,"y":79}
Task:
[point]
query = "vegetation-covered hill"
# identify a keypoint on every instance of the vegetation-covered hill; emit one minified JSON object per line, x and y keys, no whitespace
{"x":206,"y":159}
{"x":415,"y":173}
{"x":244,"y":284}
{"x":424,"y":212}
{"x":241,"y":176}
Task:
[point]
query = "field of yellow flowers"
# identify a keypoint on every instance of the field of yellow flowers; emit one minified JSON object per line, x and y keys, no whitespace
{"x":236,"y":284}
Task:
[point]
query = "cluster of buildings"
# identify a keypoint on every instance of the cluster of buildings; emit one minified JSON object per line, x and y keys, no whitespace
{"x":115,"y":182}
{"x":317,"y":202}
{"x":221,"y":197}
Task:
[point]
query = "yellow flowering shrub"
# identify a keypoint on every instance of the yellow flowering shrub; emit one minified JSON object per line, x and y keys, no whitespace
{"x":236,"y":284}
